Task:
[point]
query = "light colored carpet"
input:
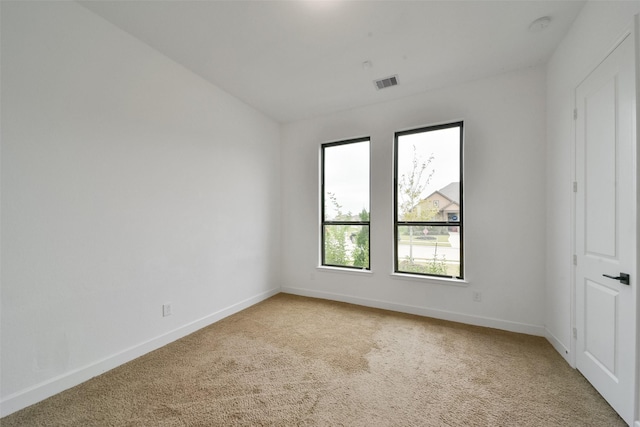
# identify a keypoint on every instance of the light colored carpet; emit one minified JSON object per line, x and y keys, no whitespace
{"x":294,"y":361}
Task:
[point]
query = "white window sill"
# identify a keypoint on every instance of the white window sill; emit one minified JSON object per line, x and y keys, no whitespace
{"x":358,"y":271}
{"x":430,"y":279}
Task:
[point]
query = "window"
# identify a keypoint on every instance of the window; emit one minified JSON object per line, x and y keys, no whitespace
{"x":428,"y":223}
{"x":345,"y":204}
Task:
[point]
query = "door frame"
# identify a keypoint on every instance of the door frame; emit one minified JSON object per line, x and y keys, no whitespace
{"x":636,"y":35}
{"x":633,"y":31}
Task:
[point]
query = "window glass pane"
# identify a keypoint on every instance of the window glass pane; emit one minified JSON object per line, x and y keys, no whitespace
{"x":428,"y":175}
{"x":428,"y":211}
{"x":429,"y":250}
{"x":346,"y":181}
{"x":346,"y":245}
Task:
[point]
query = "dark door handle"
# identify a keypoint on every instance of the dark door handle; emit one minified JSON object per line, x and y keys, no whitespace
{"x":623,"y":277}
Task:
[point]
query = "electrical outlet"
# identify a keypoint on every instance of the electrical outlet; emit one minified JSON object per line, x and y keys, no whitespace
{"x":477,"y":296}
{"x":166,"y":310}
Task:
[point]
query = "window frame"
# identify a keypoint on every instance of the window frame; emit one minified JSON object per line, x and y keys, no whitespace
{"x":397,"y":223}
{"x":324,"y":222}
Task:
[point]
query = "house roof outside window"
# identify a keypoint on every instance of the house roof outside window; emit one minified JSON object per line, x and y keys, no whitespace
{"x":451,"y":192}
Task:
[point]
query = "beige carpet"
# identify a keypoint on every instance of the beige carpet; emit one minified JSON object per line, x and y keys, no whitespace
{"x":292,"y":361}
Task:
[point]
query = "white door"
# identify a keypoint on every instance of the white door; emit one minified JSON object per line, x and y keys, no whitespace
{"x":605,"y":234}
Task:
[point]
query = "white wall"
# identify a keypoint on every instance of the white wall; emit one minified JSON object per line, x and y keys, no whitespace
{"x":592,"y":35}
{"x":127,"y":182}
{"x":504,"y":203}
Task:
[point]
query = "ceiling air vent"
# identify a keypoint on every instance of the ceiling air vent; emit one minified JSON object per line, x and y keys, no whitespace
{"x":386,"y":82}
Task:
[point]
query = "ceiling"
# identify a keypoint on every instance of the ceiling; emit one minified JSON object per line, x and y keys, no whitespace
{"x":300,"y":59}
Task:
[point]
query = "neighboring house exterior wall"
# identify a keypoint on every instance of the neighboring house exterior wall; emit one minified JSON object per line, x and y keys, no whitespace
{"x":432,"y":208}
{"x":441,"y":205}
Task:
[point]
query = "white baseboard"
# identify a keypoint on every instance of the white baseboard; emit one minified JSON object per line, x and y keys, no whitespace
{"x":422,"y":311}
{"x":560,"y":348}
{"x":39,"y":392}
